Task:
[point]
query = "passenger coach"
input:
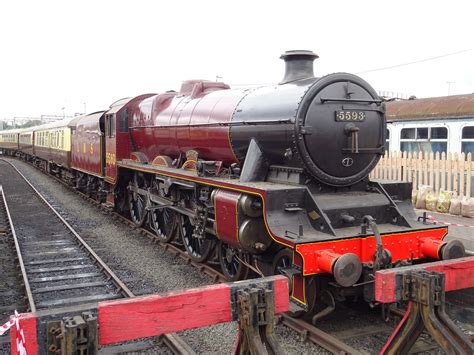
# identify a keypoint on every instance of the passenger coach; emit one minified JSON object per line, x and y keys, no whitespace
{"x":9,"y":139}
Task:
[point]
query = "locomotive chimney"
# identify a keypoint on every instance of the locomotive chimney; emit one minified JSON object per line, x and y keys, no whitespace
{"x":298,"y":65}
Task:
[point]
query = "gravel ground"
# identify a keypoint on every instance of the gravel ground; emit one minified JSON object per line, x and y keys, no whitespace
{"x":147,"y":268}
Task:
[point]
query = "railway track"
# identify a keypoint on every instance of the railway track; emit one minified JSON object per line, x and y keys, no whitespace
{"x":335,"y":343}
{"x":57,"y":266}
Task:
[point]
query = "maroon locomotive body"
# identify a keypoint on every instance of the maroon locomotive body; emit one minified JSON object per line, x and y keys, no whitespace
{"x":195,"y":118}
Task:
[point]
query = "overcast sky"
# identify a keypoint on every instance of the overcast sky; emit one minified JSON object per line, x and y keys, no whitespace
{"x":64,"y":54}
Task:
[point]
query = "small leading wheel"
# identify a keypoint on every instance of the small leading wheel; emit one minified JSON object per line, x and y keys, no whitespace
{"x":282,"y":261}
{"x":230,"y":261}
{"x":164,"y":222}
{"x":136,"y":202}
{"x":199,"y":249}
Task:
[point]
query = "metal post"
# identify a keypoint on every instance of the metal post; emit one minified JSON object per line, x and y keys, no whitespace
{"x":426,"y":311}
{"x":73,"y":335}
{"x":256,"y":317}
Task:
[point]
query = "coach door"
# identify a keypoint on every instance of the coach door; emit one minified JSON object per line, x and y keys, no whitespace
{"x":110,"y":148}
{"x":102,"y":143}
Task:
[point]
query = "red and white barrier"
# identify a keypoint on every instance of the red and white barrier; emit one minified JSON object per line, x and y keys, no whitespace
{"x":433,"y":219}
{"x":6,"y":327}
{"x":20,"y":336}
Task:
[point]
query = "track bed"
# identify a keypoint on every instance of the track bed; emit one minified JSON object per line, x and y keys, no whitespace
{"x":60,"y":269}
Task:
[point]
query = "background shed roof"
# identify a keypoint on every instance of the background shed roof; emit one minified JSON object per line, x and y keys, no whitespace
{"x":433,"y":107}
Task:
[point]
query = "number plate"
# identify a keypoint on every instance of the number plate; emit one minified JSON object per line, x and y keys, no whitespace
{"x":350,"y":116}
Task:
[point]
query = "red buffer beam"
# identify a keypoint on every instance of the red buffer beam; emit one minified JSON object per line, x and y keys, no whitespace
{"x":459,"y":274}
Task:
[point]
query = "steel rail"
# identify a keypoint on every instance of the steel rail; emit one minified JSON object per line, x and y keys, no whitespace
{"x":317,"y":336}
{"x":26,"y":282}
{"x":173,"y":341}
{"x":176,"y":344}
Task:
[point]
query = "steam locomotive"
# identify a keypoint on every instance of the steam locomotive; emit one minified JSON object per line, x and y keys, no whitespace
{"x":271,"y":179}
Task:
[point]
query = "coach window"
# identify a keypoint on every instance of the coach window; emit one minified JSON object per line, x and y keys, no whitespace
{"x":467,"y":141}
{"x":424,"y":139}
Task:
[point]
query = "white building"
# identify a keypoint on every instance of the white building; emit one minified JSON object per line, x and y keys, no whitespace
{"x":438,"y":124}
